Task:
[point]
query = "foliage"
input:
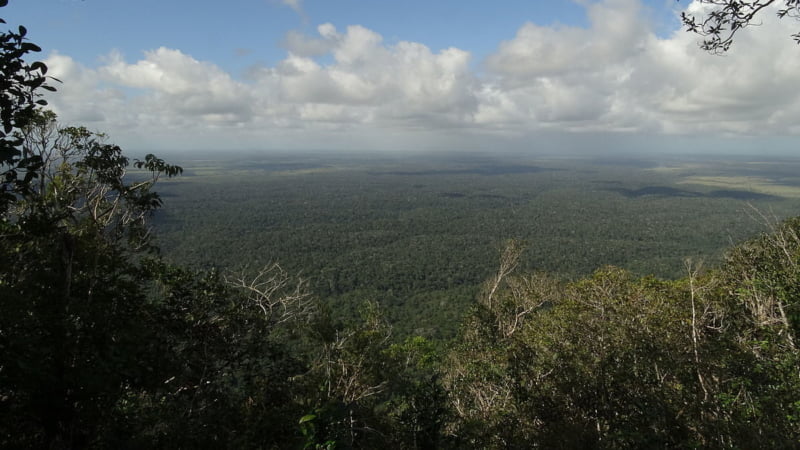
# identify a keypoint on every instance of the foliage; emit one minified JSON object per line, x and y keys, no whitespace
{"x":727,"y":17}
{"x":417,"y":243}
{"x":223,"y":377}
{"x":368,"y":392}
{"x":73,"y":310}
{"x":19,"y":97}
{"x":613,"y":361}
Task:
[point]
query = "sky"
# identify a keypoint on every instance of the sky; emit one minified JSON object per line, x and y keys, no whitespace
{"x":537,"y":76}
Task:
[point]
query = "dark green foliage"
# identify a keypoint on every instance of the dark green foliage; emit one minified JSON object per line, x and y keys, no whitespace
{"x":73,"y":320}
{"x":760,"y":282}
{"x":20,"y":88}
{"x":420,"y":242}
{"x":223,"y":375}
{"x":613,"y":361}
{"x":71,"y":331}
{"x":417,"y":401}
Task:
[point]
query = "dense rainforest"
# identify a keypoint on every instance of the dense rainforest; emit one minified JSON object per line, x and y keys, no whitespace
{"x":419,"y":234}
{"x":106,"y":342}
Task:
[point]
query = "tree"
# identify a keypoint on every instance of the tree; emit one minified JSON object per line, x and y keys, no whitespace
{"x":222,"y":370}
{"x":20,"y":87}
{"x":612,"y":361}
{"x":728,"y":17}
{"x":101,"y":343}
{"x":73,"y":321}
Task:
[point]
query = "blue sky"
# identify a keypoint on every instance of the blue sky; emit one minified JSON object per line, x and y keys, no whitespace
{"x":413,"y":74}
{"x":238,"y":32}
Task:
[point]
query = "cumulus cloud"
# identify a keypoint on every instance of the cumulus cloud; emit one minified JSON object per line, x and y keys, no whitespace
{"x":617,"y":75}
{"x":405,"y":82}
{"x":615,"y":34}
{"x":689,"y":91}
{"x":369,"y":85}
{"x":299,"y":44}
{"x":614,"y":76}
{"x":166,"y":99}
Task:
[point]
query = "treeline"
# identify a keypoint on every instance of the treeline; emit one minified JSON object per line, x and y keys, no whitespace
{"x":106,"y":345}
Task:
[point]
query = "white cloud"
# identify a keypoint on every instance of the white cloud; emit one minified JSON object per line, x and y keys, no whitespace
{"x":690,"y":91}
{"x":395,"y":83}
{"x":335,"y":87}
{"x":180,"y":86}
{"x":299,"y":44}
{"x":296,"y":5}
{"x":617,"y":75}
{"x":615,"y":35}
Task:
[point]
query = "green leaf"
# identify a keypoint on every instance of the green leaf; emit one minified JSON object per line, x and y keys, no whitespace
{"x":307,"y":418}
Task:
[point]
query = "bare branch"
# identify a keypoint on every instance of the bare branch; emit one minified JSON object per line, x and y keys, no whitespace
{"x":508,"y":263}
{"x":281,"y":297}
{"x":692,"y":271}
{"x":728,"y":17}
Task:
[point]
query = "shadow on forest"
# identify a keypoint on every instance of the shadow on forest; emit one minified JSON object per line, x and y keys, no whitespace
{"x":742,"y":195}
{"x":665,"y":191}
{"x":489,"y":170}
{"x":253,"y":166}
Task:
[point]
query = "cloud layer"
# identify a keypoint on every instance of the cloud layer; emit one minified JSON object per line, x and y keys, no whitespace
{"x":342,"y":88}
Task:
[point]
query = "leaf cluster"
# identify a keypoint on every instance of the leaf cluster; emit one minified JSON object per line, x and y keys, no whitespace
{"x":21,"y":84}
